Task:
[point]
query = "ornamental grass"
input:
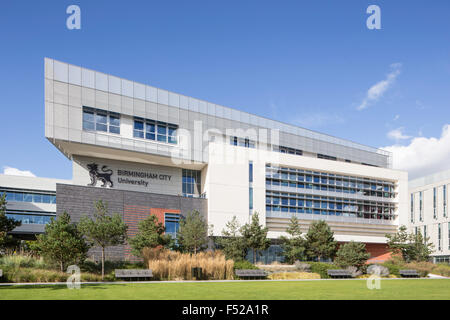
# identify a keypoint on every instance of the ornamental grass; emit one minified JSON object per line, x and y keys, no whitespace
{"x":171,"y":265}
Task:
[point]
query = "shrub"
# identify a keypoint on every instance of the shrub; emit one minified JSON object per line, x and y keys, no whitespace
{"x":302,"y":266}
{"x":322,"y":268}
{"x":394,"y":269}
{"x":22,"y":261}
{"x":244,"y":264}
{"x":352,"y":254}
{"x":171,"y":265}
{"x":377,"y":269}
{"x":354,"y":271}
{"x":423,"y":268}
{"x":442,"y":270}
{"x":293,"y":275}
{"x":93,"y":267}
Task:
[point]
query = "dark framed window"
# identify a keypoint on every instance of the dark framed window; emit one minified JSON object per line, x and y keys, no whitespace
{"x":101,"y":120}
{"x":155,"y":130}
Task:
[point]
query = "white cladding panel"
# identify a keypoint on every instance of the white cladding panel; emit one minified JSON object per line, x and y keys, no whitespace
{"x":227,"y":184}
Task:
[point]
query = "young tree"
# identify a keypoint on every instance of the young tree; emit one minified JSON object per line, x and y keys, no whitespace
{"x":232,"y":242}
{"x":193,"y":232}
{"x":104,"y":231}
{"x":255,"y":236}
{"x":150,"y":235}
{"x":412,"y":247}
{"x":294,"y":246}
{"x":352,"y":254}
{"x":6,"y":224}
{"x":62,"y":242}
{"x":320,"y":241}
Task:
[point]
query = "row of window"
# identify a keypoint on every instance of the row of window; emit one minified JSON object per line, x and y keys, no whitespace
{"x":301,"y":185}
{"x":106,"y":121}
{"x":439,"y":235}
{"x":331,"y":204}
{"x":291,"y":173}
{"x":288,"y":150}
{"x":27,"y":218}
{"x":100,"y":120}
{"x":28,"y":197}
{"x":270,"y":208}
{"x":241,"y":142}
{"x":155,"y":130}
{"x":435,"y":211}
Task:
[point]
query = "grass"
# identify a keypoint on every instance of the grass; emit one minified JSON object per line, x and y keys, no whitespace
{"x":263,"y":290}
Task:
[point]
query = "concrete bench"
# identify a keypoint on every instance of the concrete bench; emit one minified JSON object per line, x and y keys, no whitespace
{"x":410,"y":273}
{"x":129,"y":274}
{"x":339,"y":273}
{"x":250,"y":273}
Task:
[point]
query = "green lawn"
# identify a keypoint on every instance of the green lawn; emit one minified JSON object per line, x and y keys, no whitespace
{"x":297,"y":290}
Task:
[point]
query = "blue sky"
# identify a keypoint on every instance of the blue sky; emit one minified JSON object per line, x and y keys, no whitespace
{"x":309,"y":63}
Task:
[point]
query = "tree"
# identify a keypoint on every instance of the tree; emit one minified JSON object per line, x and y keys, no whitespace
{"x":150,"y":235}
{"x":104,"y":231}
{"x":294,"y":246}
{"x":62,"y":242}
{"x":352,"y":254}
{"x":320,"y":241}
{"x":193,"y":232}
{"x":6,"y":224}
{"x":232,"y":242}
{"x":412,"y":247}
{"x":255,"y":236}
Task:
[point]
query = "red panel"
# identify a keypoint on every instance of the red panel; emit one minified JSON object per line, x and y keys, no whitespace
{"x":133,"y":215}
{"x":379,"y":252}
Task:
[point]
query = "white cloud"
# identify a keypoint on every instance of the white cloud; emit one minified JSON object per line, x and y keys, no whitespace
{"x":16,"y":172}
{"x":397,"y":116}
{"x":423,"y":156}
{"x":397,"y":134}
{"x":378,"y":89}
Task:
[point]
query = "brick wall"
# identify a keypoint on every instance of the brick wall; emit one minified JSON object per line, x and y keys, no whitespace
{"x":132,"y":206}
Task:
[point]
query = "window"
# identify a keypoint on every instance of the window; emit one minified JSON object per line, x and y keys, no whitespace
{"x":448,"y":231}
{"x":250,"y":172}
{"x":412,"y":207}
{"x":30,"y":217}
{"x":191,"y":182}
{"x":288,"y":150}
{"x":324,"y":156}
{"x":100,"y":120}
{"x":155,"y":130}
{"x":242,"y":142}
{"x":250,"y":196}
{"x":434,"y":203}
{"x":420,"y":205}
{"x":18,"y":196}
{"x":172,"y":224}
{"x":425,"y":233}
{"x":439,"y":237}
{"x":444,"y":199}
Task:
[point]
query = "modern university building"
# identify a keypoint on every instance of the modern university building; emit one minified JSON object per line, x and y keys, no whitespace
{"x":429,"y":212}
{"x":147,"y":151}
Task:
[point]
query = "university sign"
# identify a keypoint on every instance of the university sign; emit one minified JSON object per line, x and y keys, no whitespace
{"x":104,"y":175}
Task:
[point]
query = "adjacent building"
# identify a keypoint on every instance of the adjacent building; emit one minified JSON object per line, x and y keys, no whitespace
{"x":428,"y":212}
{"x":30,"y":200}
{"x":146,"y":151}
